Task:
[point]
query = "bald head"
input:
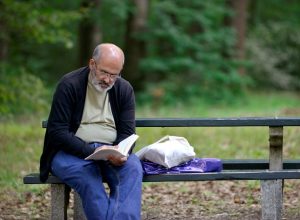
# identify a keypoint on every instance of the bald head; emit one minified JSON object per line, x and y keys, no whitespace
{"x":109,"y":51}
{"x":106,"y":65}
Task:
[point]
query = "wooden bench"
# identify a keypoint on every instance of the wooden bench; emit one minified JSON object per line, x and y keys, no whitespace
{"x":270,"y":172}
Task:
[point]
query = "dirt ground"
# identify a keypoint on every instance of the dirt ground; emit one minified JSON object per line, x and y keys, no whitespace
{"x":191,"y":200}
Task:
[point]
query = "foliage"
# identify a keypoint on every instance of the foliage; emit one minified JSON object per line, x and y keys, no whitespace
{"x":185,"y":49}
{"x":31,"y":29}
{"x":189,"y":46}
{"x":36,"y":22}
{"x":274,"y":45}
{"x":33,"y":20}
{"x":21,"y":92}
{"x":28,"y":29}
{"x":187,"y":43}
{"x":113,"y":13}
{"x":275,"y":52}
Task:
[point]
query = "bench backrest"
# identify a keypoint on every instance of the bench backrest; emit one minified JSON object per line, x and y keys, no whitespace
{"x":214,"y":122}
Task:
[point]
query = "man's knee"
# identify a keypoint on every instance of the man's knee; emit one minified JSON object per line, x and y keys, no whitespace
{"x":134,"y":164}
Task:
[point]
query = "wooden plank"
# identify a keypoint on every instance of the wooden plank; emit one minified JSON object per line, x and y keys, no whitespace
{"x":254,"y":164}
{"x":213,"y":122}
{"x":34,"y":178}
{"x":216,"y":122}
{"x":232,"y":165}
{"x":245,"y":175}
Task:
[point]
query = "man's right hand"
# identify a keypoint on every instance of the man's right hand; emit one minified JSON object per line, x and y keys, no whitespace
{"x":116,"y":161}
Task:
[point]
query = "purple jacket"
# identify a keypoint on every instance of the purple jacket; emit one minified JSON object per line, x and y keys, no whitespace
{"x":66,"y":113}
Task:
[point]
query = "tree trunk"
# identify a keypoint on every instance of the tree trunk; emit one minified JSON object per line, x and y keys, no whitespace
{"x":89,"y":33}
{"x":135,"y":48}
{"x":3,"y":37}
{"x":3,"y":47}
{"x":239,"y":23}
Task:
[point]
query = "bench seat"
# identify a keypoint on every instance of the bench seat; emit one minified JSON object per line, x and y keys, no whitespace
{"x":225,"y":175}
{"x":233,"y":170}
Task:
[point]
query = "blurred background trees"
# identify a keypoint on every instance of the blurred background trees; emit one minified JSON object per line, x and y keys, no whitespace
{"x":176,"y":51}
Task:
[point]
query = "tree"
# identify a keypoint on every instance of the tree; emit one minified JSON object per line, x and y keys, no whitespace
{"x":89,"y":31}
{"x":28,"y":30}
{"x":3,"y":37}
{"x":274,"y":45}
{"x":239,"y":23}
{"x":135,"y":46}
{"x":185,"y":42}
{"x":27,"y":24}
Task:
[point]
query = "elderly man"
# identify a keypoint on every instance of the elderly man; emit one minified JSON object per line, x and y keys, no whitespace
{"x":93,"y":106}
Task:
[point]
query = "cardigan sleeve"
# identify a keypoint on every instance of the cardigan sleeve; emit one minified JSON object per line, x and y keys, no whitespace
{"x":59,"y":129}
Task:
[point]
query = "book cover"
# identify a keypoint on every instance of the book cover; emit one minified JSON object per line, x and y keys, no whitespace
{"x":122,"y":150}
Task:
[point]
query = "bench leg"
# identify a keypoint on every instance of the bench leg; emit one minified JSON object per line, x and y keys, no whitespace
{"x":60,"y":194}
{"x":271,"y":201}
{"x":78,"y":210}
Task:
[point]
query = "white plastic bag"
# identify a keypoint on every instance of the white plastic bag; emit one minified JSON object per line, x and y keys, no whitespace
{"x":169,"y":151}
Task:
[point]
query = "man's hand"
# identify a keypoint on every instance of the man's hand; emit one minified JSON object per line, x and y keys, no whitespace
{"x":116,"y":161}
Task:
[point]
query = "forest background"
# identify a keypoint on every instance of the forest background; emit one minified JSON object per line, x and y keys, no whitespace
{"x":176,"y":51}
{"x":190,"y":58}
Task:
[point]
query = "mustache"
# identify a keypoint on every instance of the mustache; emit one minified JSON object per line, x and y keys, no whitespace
{"x":97,"y":82}
{"x":101,"y":86}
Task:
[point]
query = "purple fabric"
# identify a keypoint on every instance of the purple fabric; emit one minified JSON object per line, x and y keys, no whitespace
{"x":196,"y":165}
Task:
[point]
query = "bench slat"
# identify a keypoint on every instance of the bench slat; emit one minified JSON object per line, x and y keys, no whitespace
{"x":34,"y":178}
{"x":242,"y":164}
{"x":213,"y":122}
{"x":253,"y":164}
{"x":225,"y":175}
{"x":216,"y":122}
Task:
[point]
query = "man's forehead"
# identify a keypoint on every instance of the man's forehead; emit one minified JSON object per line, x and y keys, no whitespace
{"x":111,"y":51}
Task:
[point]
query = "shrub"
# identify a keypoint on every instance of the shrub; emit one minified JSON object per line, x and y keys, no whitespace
{"x":274,"y":49}
{"x":190,"y":53}
{"x":20,"y":92}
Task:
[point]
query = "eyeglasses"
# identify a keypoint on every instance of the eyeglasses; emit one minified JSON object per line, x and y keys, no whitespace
{"x":104,"y":73}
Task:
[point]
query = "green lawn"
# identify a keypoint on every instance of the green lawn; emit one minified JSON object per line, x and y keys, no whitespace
{"x":251,"y":105}
{"x":21,"y":143}
{"x":229,"y":142}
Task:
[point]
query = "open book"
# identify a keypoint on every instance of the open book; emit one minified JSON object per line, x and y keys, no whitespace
{"x":122,"y":150}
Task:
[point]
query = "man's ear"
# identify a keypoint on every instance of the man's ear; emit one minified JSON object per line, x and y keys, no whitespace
{"x":91,"y":63}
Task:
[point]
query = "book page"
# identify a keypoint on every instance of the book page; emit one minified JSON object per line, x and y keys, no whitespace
{"x":103,"y":153}
{"x":126,"y":144}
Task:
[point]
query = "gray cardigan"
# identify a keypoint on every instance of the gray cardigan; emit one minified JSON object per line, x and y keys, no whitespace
{"x":66,"y":113}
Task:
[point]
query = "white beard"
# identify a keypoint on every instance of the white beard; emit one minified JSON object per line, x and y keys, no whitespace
{"x":98,"y":86}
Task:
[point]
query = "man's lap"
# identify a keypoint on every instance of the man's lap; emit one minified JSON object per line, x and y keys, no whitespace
{"x":66,"y":164}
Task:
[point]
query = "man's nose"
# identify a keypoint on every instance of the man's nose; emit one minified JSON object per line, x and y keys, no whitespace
{"x":107,"y":79}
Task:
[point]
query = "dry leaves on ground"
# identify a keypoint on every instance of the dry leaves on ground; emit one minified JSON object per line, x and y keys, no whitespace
{"x":189,"y":200}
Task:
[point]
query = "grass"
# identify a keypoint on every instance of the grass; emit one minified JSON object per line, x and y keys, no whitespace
{"x":21,"y":146}
{"x":250,"y":105}
{"x":228,"y":142}
{"x":21,"y":142}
